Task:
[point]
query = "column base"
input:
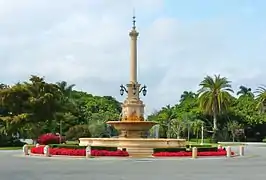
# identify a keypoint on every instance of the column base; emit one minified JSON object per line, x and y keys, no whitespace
{"x":140,"y":152}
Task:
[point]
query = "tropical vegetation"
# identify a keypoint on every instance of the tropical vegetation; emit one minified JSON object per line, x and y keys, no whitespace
{"x":35,"y":107}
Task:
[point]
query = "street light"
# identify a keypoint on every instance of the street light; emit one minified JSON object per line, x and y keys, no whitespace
{"x":122,"y":90}
{"x":144,"y":90}
{"x":202,"y":134}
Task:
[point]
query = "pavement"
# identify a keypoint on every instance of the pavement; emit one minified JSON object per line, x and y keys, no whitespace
{"x":15,"y":166}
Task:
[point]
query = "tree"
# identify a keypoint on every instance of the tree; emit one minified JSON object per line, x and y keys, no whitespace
{"x":196,"y":127}
{"x":232,"y":127}
{"x":166,"y":116}
{"x":244,"y":91}
{"x":66,"y":91}
{"x":187,"y":95}
{"x":214,"y":97}
{"x":78,"y":131}
{"x":178,"y":127}
{"x":261,"y":98}
{"x":65,"y":88}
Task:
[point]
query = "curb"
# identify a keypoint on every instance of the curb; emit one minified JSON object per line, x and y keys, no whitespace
{"x":61,"y":157}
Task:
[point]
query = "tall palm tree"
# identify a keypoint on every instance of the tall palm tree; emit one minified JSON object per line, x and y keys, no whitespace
{"x":66,"y":91}
{"x":261,"y":98}
{"x":245,"y":91}
{"x":214,"y":96}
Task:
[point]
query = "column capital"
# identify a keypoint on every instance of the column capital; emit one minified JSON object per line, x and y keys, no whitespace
{"x":133,"y":33}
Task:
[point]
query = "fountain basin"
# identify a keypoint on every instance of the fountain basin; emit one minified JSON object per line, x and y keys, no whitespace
{"x":132,"y":129}
{"x":136,"y":147}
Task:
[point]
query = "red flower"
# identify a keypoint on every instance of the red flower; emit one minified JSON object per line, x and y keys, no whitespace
{"x":219,"y":152}
{"x":78,"y":152}
{"x":50,"y":138}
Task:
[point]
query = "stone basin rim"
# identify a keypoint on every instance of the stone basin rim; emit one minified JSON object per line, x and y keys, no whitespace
{"x":132,"y":139}
{"x":131,"y":122}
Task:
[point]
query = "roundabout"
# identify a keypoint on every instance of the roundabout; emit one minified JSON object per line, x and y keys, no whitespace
{"x":14,"y":165}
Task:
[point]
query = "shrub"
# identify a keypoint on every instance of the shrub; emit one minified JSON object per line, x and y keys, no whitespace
{"x":207,"y":149}
{"x":50,"y":138}
{"x":168,"y":150}
{"x":9,"y":141}
{"x":198,"y":145}
{"x":78,"y":131}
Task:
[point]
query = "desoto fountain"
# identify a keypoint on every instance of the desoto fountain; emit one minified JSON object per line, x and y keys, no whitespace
{"x":132,"y":127}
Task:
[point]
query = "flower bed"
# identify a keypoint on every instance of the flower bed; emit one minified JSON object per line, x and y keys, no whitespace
{"x":78,"y":152}
{"x":50,"y":138}
{"x":189,"y":153}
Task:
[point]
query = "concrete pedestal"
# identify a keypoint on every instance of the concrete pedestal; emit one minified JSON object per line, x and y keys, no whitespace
{"x":136,"y":147}
{"x":139,"y":152}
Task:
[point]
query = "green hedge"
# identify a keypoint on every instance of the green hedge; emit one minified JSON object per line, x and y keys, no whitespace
{"x":72,"y":146}
{"x":207,"y":140}
{"x":203,"y":149}
{"x":198,"y":145}
{"x":169,"y":149}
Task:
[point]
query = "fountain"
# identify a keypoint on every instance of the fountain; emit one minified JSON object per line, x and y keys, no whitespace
{"x":132,"y":127}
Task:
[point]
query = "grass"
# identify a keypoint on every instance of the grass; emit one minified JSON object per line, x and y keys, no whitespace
{"x":72,"y":142}
{"x":231,"y":144}
{"x":15,"y":148}
{"x":31,"y":145}
{"x":10,"y":148}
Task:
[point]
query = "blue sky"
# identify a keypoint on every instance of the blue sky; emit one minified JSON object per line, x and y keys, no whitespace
{"x":85,"y":42}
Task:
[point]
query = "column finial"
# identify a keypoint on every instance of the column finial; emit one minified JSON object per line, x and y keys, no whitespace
{"x":134,"y":19}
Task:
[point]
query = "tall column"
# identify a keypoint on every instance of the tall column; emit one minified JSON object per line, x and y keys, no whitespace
{"x":133,"y":53}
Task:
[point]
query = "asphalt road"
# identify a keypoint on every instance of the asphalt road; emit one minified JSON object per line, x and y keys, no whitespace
{"x":14,"y":166}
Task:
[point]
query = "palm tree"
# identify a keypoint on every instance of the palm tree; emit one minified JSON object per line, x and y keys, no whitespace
{"x":66,"y":91}
{"x":196,"y":127}
{"x":65,"y":88}
{"x":261,"y":97}
{"x":244,"y":91}
{"x":166,"y":116}
{"x":186,"y":95}
{"x":214,"y":96}
{"x":178,"y":126}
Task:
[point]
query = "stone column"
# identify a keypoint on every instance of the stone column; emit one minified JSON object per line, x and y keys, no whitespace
{"x":133,"y":56}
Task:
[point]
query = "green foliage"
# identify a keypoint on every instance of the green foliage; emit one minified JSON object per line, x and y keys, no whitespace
{"x":67,"y":146}
{"x":36,"y":107}
{"x":9,"y":141}
{"x":214,"y":96}
{"x":223,"y":115}
{"x":78,"y":131}
{"x":169,"y":149}
{"x":198,"y":145}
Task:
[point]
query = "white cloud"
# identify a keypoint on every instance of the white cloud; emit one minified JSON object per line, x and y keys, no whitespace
{"x":86,"y":43}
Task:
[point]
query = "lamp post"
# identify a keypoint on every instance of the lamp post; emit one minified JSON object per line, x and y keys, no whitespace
{"x":202,"y":134}
{"x":143,"y":89}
